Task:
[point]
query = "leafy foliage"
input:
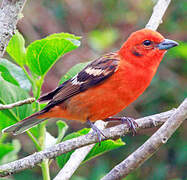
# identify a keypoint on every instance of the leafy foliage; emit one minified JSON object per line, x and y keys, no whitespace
{"x":5,"y":148}
{"x":104,"y":147}
{"x":13,"y":94}
{"x":16,"y":48}
{"x":62,"y":128}
{"x":14,"y":74}
{"x":6,"y":74}
{"x":9,"y":151}
{"x":42,"y":54}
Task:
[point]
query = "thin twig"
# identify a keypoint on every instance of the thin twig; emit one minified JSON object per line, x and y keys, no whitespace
{"x":9,"y":15}
{"x":69,"y":145}
{"x":145,"y":151}
{"x":77,"y":157}
{"x":158,"y":12}
{"x":19,"y":103}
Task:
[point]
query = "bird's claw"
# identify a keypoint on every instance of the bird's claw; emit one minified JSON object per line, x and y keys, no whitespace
{"x":97,"y":131}
{"x":131,"y":123}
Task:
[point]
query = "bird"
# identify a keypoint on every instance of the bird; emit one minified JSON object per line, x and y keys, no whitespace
{"x":106,"y":86}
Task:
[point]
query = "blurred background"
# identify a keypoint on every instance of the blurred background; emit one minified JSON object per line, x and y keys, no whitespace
{"x":104,"y":25}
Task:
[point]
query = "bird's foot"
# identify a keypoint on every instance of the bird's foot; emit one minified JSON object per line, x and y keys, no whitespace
{"x":96,"y":130}
{"x":131,"y":123}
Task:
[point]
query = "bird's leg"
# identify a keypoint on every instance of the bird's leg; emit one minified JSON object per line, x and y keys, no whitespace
{"x":96,"y":130}
{"x":129,"y":121}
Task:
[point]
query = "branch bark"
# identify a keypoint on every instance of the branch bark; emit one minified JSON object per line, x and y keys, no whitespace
{"x":69,"y":145}
{"x":9,"y":15}
{"x":158,"y":12}
{"x":145,"y":151}
{"x":19,"y":103}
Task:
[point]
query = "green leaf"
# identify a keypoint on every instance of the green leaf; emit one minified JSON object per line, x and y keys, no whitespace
{"x":5,"y":148}
{"x":5,"y":73}
{"x":105,"y":146}
{"x":5,"y":120}
{"x":14,"y":74}
{"x":66,"y":36}
{"x":11,"y":155}
{"x":97,"y":150}
{"x":42,"y":54}
{"x":16,"y":48}
{"x":77,"y":134}
{"x":73,"y":71}
{"x":62,"y":128}
{"x":10,"y":94}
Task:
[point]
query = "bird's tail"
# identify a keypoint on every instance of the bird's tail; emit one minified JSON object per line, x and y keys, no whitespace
{"x":25,"y":124}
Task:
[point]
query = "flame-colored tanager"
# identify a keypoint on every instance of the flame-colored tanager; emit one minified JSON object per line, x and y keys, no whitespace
{"x":105,"y":86}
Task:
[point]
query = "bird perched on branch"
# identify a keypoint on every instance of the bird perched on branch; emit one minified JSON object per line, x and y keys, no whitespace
{"x":105,"y":86}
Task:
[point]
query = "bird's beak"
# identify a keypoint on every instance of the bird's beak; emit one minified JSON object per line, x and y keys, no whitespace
{"x":167,"y":44}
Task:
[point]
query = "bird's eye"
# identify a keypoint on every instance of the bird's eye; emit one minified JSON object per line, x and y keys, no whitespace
{"x":147,"y":43}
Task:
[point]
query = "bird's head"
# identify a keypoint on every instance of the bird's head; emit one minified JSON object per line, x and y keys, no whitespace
{"x":146,"y":47}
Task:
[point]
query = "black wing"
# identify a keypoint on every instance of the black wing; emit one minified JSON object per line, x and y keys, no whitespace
{"x":93,"y":74}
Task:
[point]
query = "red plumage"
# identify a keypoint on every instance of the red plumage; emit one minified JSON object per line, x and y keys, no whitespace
{"x":107,"y":85}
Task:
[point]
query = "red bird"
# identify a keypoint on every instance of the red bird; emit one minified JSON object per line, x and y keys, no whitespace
{"x":106,"y":86}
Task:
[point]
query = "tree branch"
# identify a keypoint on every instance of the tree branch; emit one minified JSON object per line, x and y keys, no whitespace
{"x":145,"y":151}
{"x":9,"y":15}
{"x":69,"y":145}
{"x":19,"y":103}
{"x":158,"y":12}
{"x":77,"y":157}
